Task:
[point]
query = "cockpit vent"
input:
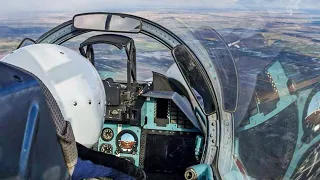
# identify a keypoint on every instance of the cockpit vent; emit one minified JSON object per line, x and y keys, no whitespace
{"x":161,"y":113}
{"x":178,"y":117}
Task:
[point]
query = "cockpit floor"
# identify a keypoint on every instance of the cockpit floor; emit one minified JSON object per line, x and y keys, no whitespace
{"x":161,"y":176}
{"x":154,"y":176}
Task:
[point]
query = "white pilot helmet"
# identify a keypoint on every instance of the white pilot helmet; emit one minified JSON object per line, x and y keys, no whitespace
{"x":74,"y":83}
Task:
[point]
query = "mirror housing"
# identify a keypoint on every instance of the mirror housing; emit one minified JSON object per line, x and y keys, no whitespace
{"x":108,"y":22}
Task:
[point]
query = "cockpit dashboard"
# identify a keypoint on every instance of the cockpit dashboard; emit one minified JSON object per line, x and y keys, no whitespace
{"x":150,"y":126}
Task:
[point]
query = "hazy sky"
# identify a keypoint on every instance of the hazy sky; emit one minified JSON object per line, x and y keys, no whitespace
{"x":83,"y":5}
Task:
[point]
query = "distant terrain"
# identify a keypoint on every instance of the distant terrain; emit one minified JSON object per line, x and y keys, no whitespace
{"x":254,"y":37}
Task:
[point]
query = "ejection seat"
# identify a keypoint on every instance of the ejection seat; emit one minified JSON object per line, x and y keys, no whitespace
{"x":29,"y":147}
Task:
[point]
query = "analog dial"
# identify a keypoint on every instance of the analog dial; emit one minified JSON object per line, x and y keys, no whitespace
{"x":127,"y":142}
{"x":107,"y":134}
{"x":106,"y":148}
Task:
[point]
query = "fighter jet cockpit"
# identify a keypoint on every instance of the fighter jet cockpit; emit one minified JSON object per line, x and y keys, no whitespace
{"x":151,"y":123}
{"x":157,"y":123}
{"x":217,"y":103}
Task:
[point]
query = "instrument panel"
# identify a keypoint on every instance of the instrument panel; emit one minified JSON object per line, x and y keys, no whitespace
{"x":121,"y":140}
{"x":162,"y":125}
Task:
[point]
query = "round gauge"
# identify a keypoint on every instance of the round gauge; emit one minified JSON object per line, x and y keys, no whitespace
{"x":106,"y":148}
{"x":107,"y":134}
{"x":127,"y":142}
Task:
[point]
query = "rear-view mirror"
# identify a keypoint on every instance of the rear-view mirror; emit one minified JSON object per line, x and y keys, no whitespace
{"x":107,"y":22}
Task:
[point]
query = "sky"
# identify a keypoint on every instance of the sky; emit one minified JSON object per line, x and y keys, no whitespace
{"x":8,"y":6}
